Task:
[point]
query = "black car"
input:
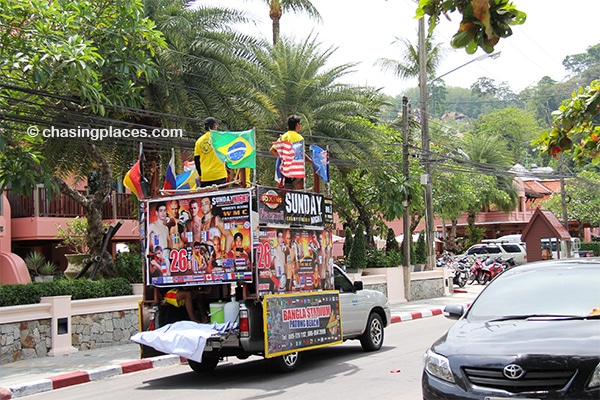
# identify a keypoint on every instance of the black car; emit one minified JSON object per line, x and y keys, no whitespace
{"x":533,"y":333}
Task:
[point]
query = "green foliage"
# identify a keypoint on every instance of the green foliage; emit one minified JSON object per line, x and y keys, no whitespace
{"x":12,"y":295}
{"x":421,"y":249}
{"x":583,"y":201}
{"x":129,"y":265}
{"x":473,"y":235}
{"x":347,"y":242}
{"x":574,"y":128}
{"x":376,"y":258}
{"x":593,"y":246}
{"x":391,"y":244}
{"x":358,"y":254}
{"x":74,"y":235}
{"x":48,"y":269}
{"x":34,"y":261}
{"x":78,"y":289}
{"x":394,"y":258}
{"x":483,"y":22}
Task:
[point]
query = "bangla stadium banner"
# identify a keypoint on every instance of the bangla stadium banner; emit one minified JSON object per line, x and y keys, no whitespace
{"x":301,"y":322}
{"x":199,"y":239}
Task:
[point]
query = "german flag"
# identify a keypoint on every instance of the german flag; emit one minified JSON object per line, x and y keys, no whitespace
{"x":135,"y":180}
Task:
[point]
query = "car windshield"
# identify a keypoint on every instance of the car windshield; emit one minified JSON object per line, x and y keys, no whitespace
{"x":547,"y":291}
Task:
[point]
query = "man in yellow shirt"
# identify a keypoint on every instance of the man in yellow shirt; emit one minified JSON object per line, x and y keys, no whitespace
{"x":210,"y":169}
{"x":292,"y":136}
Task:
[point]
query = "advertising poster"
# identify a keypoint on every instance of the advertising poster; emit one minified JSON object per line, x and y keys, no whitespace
{"x":288,"y":207}
{"x":294,"y":260}
{"x":301,"y":322}
{"x":199,"y":239}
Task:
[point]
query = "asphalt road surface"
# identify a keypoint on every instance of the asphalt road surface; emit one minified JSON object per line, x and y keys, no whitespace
{"x":342,"y":371}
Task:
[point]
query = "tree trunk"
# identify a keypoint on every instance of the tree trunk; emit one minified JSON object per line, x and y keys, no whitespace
{"x":92,"y":206}
{"x":275,"y":13}
{"x":363,"y":215}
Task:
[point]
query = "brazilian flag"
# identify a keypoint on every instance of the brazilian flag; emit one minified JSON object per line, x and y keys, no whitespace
{"x":235,"y":149}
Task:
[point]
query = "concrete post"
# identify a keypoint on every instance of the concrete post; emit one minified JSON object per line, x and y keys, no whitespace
{"x":60,"y":325}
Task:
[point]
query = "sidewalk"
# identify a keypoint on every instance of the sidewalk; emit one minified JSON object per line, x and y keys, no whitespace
{"x":36,"y":375}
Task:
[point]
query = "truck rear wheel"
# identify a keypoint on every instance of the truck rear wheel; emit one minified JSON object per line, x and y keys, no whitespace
{"x":287,"y":362}
{"x":208,"y":364}
{"x":372,"y":339}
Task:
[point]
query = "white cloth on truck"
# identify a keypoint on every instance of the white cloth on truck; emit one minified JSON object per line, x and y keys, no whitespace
{"x":183,"y":338}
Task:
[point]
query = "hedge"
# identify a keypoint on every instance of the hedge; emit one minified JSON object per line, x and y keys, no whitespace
{"x":15,"y":295}
{"x":594,"y":246}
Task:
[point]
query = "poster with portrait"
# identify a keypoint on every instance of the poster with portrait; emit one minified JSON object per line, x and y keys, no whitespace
{"x":199,"y":239}
{"x":301,"y":321}
{"x":293,"y":260}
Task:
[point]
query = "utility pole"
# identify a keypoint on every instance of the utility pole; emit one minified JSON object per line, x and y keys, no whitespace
{"x":407,"y":242}
{"x":563,"y":198}
{"x":426,"y":177}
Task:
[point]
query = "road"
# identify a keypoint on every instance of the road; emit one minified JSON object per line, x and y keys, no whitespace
{"x":337,"y":372}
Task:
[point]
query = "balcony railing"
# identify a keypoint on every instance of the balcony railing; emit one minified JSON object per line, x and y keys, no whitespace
{"x":40,"y":204}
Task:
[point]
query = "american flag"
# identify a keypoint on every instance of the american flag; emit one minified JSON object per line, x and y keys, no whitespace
{"x":292,"y":158}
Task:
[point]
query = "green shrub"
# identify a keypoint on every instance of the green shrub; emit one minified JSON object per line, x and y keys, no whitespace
{"x":19,"y":294}
{"x":421,"y":249}
{"x":358,"y":254}
{"x":376,"y":258}
{"x":593,"y":246}
{"x":394,"y":258}
{"x":78,"y":289}
{"x":391,"y":244}
{"x":129,"y":265}
{"x":347,"y":242}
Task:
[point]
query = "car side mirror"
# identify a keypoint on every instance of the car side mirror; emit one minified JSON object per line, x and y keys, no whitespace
{"x":454,"y":311}
{"x":358,"y":285}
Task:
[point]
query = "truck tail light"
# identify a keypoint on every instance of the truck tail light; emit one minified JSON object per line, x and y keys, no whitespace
{"x":244,"y":324}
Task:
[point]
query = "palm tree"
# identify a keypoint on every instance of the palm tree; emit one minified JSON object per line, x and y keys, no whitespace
{"x":408,"y":67}
{"x":277,"y":7}
{"x":295,"y":79}
{"x":200,"y":70}
{"x":489,"y":156}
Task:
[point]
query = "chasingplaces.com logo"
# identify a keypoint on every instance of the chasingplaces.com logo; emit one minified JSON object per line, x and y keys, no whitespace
{"x":103,"y":133}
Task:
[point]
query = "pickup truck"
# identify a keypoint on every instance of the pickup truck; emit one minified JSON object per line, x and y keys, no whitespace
{"x":261,"y":259}
{"x":364,"y":315}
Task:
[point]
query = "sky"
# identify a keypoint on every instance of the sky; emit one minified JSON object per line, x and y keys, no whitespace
{"x":365,"y":30}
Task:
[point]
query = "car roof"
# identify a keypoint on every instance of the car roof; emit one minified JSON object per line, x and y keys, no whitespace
{"x":584,"y":262}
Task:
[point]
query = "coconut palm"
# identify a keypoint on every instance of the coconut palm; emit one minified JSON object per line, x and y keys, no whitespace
{"x":294,"y":77}
{"x":408,"y":67}
{"x":277,"y":7}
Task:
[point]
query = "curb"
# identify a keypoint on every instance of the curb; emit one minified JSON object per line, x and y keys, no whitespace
{"x":416,"y":315}
{"x":96,"y":374}
{"x":78,"y":377}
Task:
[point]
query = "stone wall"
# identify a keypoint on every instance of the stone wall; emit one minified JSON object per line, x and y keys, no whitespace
{"x":32,"y":339}
{"x":426,"y":289}
{"x":24,"y":340}
{"x":102,"y":330}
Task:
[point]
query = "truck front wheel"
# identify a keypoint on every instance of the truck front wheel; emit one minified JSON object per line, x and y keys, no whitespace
{"x":372,"y":339}
{"x":208,"y":364}
{"x":287,"y":362}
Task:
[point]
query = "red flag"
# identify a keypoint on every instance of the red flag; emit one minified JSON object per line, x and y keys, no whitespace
{"x":292,"y":158}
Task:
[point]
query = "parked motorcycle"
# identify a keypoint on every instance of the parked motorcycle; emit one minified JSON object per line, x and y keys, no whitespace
{"x":460,"y":269}
{"x":476,"y":270}
{"x":490,"y":269}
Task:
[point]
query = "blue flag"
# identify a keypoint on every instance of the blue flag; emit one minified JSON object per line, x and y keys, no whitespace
{"x":320,"y":159}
